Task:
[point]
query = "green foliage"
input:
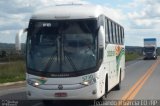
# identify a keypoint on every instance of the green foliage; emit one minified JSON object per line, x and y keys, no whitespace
{"x":3,"y":54}
{"x":13,"y":71}
{"x":132,"y":56}
{"x":12,"y":58}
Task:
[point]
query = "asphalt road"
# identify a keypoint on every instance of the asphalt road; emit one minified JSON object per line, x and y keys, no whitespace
{"x":141,"y":82}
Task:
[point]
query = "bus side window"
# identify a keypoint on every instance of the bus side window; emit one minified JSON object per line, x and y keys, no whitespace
{"x":122,"y":36}
{"x":113,"y":33}
{"x":109,"y":37}
{"x":106,"y":31}
{"x":110,"y":31}
{"x":119,"y":35}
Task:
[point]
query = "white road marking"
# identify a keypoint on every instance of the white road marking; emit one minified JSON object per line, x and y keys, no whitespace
{"x":132,"y":64}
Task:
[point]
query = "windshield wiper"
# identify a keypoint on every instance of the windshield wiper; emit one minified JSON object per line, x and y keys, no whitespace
{"x":50,"y":62}
{"x":71,"y":62}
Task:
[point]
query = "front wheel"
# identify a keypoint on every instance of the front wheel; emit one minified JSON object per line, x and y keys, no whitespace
{"x":118,"y":86}
{"x":104,"y":97}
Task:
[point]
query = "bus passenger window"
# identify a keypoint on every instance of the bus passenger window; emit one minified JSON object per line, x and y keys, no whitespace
{"x":110,"y":31}
{"x":117,"y":35}
{"x":113,"y":33}
{"x":106,"y":31}
{"x":120,"y":33}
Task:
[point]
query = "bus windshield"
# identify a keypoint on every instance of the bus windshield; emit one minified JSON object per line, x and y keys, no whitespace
{"x":62,"y":45}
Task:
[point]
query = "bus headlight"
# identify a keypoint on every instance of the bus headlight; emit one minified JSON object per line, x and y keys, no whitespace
{"x":36,"y":84}
{"x":89,"y":82}
{"x":33,"y":83}
{"x":85,"y":83}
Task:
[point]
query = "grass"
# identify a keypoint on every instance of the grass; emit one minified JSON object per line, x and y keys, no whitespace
{"x":12,"y":72}
{"x":132,"y":56}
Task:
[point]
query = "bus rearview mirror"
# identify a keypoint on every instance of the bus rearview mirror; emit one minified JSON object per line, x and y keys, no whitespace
{"x":18,"y":39}
{"x":101,"y":37}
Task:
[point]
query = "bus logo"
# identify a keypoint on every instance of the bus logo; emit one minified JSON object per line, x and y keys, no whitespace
{"x":60,"y":87}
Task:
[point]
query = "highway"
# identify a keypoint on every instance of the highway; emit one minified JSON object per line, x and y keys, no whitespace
{"x":141,"y":82}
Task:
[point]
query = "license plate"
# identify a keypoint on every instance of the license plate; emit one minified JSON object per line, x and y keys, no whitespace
{"x":60,"y":94}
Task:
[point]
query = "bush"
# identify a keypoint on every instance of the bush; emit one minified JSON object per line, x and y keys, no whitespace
{"x":12,"y":71}
{"x":132,"y":56}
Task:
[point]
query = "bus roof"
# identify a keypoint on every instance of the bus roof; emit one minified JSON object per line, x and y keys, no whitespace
{"x":72,"y":11}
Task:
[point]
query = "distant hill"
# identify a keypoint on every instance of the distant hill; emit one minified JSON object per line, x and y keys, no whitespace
{"x":10,"y":47}
{"x":136,"y":49}
{"x":6,"y":46}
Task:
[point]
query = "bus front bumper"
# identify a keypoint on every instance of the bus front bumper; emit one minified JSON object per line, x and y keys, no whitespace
{"x":90,"y":92}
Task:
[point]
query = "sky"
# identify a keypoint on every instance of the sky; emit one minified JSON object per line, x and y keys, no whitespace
{"x":140,"y":18}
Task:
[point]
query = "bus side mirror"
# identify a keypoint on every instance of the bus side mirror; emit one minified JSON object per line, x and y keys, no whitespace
{"x":101,"y":37}
{"x":18,"y":39}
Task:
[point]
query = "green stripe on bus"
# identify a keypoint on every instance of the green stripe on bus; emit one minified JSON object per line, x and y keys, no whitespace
{"x":118,"y":58}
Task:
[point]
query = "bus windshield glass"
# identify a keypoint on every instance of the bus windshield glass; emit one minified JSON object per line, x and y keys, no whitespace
{"x":62,"y":45}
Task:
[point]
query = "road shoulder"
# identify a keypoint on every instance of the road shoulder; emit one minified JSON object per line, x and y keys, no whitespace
{"x":12,"y":85}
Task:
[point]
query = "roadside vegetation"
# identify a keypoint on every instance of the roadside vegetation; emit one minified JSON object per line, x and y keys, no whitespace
{"x":12,"y":71}
{"x":12,"y":67}
{"x":132,"y":56}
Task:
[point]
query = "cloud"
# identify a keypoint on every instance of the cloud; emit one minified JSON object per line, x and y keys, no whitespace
{"x":15,"y":14}
{"x":19,"y":11}
{"x":146,"y":14}
{"x":134,"y":37}
{"x":143,"y":21}
{"x":115,"y":14}
{"x":7,"y":36}
{"x":140,"y":18}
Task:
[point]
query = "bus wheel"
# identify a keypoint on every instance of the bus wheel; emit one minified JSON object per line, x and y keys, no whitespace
{"x":104,"y":97}
{"x":118,"y":86}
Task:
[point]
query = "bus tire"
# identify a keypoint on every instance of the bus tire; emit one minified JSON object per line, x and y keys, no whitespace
{"x":106,"y":86}
{"x":118,"y":86}
{"x":104,"y":97}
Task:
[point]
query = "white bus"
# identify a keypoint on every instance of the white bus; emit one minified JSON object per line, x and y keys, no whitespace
{"x":73,"y":52}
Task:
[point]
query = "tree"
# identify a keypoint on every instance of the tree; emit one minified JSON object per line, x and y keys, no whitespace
{"x":3,"y":53}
